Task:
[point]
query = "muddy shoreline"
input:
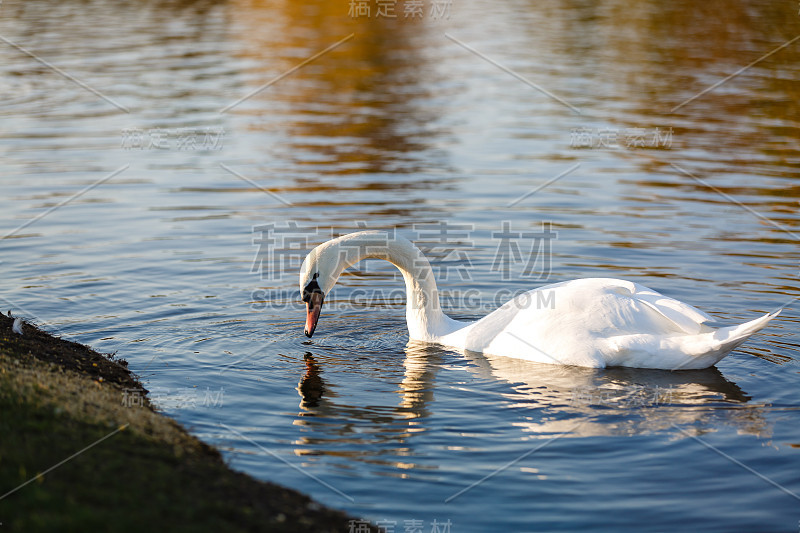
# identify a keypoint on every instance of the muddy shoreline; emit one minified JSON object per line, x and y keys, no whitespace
{"x":75,"y":457}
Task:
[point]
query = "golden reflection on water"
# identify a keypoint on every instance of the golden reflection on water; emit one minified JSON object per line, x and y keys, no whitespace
{"x":653,"y":56}
{"x":354,"y":106}
{"x":380,"y":102}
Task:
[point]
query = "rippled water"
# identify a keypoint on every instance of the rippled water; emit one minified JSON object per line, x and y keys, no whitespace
{"x":408,"y":124}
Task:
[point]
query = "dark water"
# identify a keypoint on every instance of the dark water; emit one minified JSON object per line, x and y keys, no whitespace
{"x":408,"y":124}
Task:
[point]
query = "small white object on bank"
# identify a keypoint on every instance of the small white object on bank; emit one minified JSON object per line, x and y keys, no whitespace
{"x":17,"y":327}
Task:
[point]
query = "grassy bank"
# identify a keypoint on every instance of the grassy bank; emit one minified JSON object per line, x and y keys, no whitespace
{"x":119,"y":466}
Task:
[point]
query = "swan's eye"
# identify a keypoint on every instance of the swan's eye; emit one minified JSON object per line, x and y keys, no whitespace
{"x":310,"y":289}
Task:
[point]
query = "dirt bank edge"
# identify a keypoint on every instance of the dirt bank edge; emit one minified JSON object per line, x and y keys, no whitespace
{"x":141,"y":470}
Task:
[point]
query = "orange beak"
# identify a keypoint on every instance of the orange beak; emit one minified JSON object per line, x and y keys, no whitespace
{"x":313,"y":308}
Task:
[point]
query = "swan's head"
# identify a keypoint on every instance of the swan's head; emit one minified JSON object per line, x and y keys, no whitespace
{"x":323,"y":265}
{"x":318,"y":275}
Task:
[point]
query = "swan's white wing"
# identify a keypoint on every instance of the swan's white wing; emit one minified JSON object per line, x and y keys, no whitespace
{"x":688,"y":318}
{"x":577,"y":322}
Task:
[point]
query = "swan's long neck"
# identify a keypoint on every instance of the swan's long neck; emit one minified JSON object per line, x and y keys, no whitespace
{"x":424,"y":315}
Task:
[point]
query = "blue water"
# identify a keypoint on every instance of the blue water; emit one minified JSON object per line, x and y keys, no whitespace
{"x":403,"y":127}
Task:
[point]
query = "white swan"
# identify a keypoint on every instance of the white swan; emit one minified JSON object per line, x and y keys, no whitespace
{"x":593,"y":322}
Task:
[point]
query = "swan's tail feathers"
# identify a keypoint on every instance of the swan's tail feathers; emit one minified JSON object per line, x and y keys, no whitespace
{"x":711,"y":348}
{"x":730,"y":337}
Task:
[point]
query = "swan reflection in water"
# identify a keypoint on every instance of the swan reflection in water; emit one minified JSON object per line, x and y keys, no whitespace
{"x":311,"y":386}
{"x":373,"y":433}
{"x":546,"y":400}
{"x":588,"y":402}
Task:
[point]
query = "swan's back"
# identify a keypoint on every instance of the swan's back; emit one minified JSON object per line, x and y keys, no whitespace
{"x":597,"y":322}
